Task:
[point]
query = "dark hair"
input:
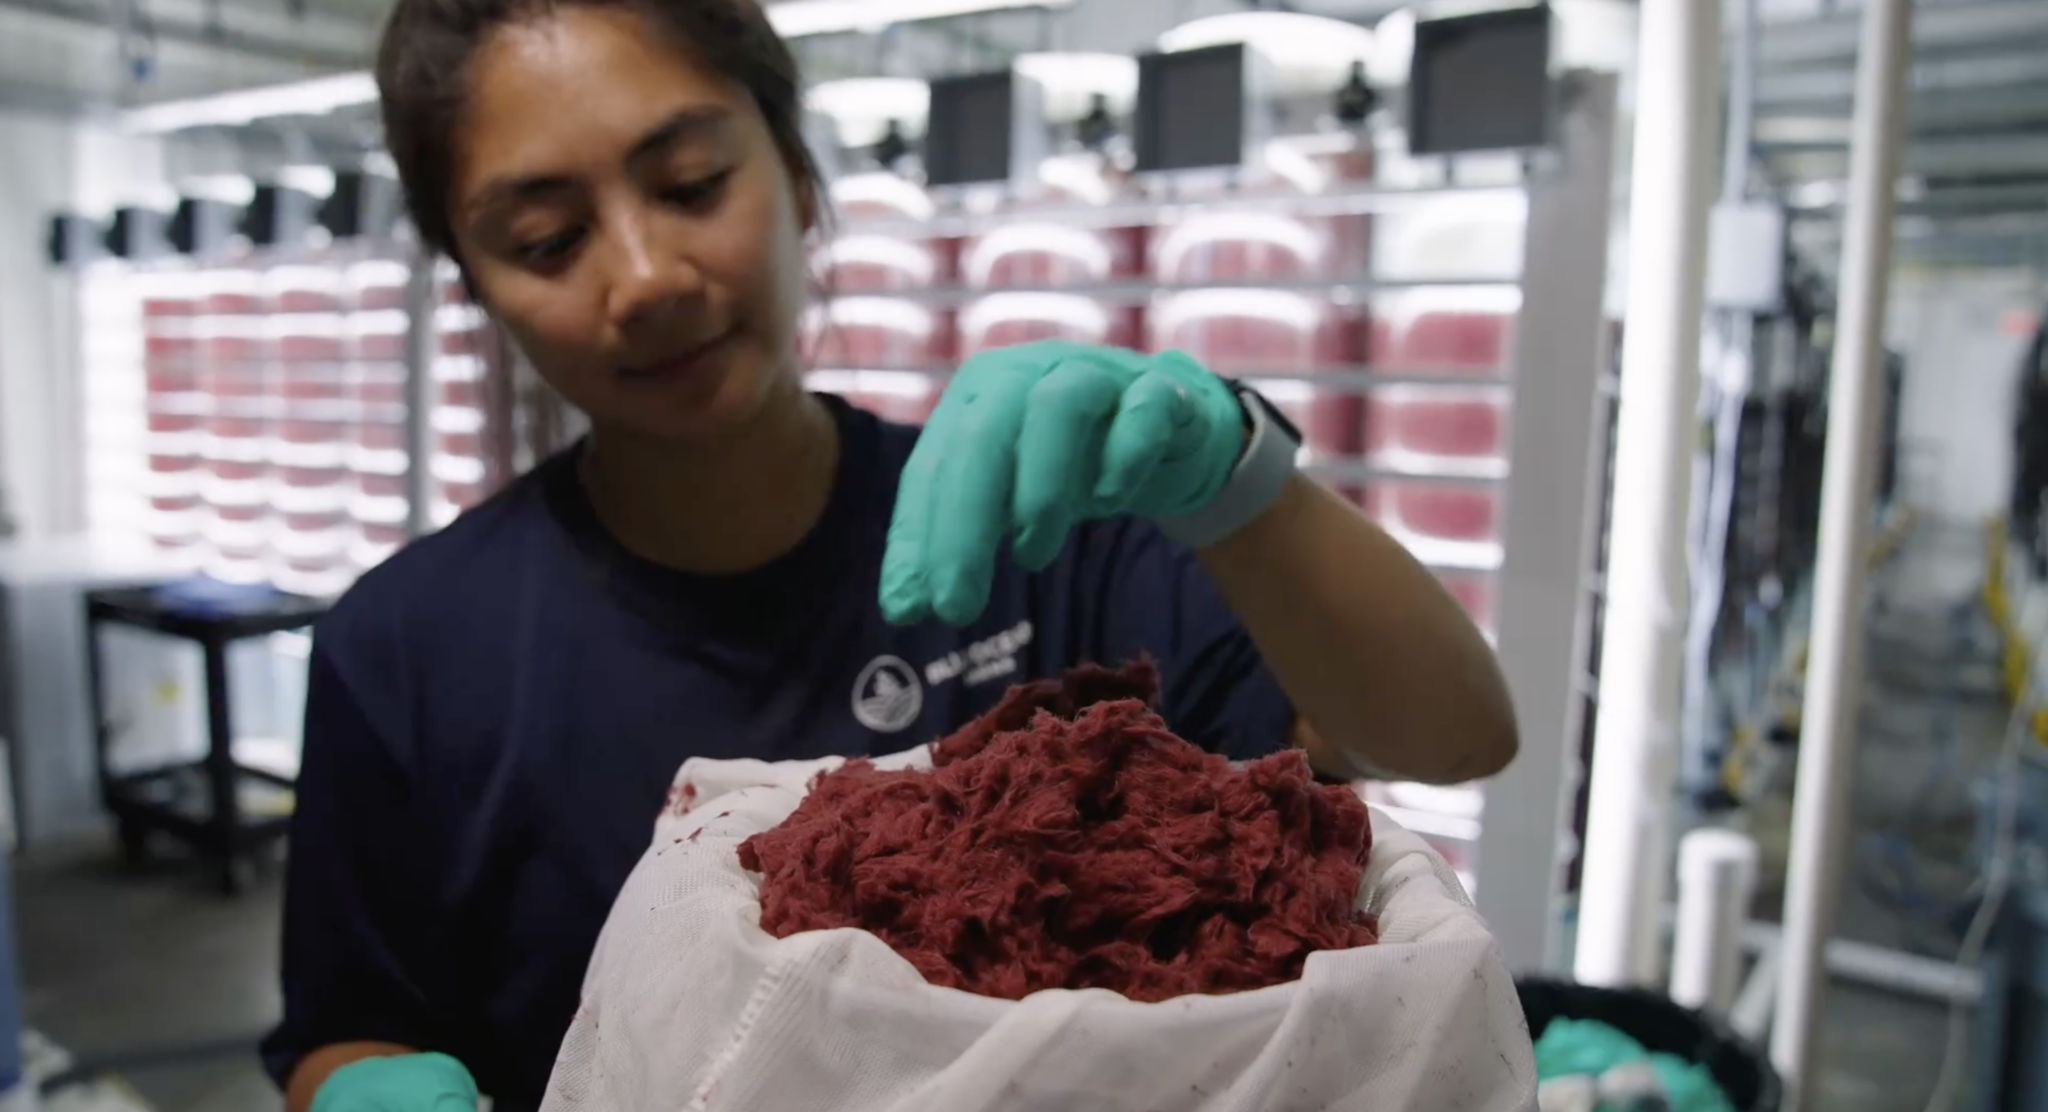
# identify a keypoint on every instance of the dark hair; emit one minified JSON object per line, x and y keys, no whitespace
{"x":423,"y":72}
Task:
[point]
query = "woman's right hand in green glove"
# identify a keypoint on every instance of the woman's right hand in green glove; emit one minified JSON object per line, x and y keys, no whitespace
{"x":406,"y":1083}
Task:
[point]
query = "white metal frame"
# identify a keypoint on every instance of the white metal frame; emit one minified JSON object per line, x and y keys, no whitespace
{"x":1550,"y":527}
{"x":1834,"y":687}
{"x":1635,"y":744}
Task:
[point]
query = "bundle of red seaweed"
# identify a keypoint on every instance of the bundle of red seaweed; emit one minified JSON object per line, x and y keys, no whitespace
{"x":1067,"y":839}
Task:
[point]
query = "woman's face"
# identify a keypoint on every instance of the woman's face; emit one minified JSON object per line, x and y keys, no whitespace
{"x":628,"y":217}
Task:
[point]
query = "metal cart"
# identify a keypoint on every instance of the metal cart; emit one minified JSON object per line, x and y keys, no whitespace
{"x":198,"y":803}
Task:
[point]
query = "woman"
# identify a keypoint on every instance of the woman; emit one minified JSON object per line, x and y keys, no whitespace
{"x":495,"y":715}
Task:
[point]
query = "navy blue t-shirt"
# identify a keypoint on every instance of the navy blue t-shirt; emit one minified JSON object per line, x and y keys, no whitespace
{"x":495,"y":715}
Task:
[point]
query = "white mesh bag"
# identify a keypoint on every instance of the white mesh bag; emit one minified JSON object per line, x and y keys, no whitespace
{"x":688,"y":1004}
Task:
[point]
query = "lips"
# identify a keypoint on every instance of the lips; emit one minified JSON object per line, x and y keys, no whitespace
{"x":685,"y":364}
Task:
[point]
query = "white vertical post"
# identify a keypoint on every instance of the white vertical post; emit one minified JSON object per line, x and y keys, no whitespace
{"x":1550,"y":526}
{"x":1834,"y":670}
{"x":1636,"y":737}
{"x":1716,"y":879}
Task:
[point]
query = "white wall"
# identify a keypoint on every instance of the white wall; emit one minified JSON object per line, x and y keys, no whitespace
{"x":46,"y":165}
{"x":1962,"y":353}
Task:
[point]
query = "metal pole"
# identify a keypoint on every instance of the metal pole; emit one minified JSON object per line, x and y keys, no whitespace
{"x":421,"y":342}
{"x":1636,"y":737}
{"x":1834,"y":680}
{"x":1741,"y":105}
{"x":1551,"y":527}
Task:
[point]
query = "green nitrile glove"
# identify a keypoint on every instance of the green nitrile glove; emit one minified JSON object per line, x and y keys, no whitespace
{"x":407,"y":1083}
{"x":1028,"y":441}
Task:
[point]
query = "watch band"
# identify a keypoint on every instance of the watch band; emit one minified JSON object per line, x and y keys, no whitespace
{"x":1259,"y":477}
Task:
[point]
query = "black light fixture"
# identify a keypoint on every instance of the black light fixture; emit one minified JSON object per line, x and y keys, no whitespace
{"x":363,"y":206}
{"x":279,"y":214}
{"x":971,"y":135}
{"x":1192,"y":110}
{"x":201,"y":225}
{"x":1481,"y":83}
{"x":1355,"y":100}
{"x":893,"y":147}
{"x":74,"y":240}
{"x":1098,"y":127}
{"x":138,"y":233}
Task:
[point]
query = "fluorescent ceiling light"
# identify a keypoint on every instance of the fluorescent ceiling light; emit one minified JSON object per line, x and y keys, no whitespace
{"x":316,"y":97}
{"x":798,"y":18}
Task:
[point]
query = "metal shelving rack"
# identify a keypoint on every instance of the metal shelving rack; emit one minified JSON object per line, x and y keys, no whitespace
{"x":1512,"y":839}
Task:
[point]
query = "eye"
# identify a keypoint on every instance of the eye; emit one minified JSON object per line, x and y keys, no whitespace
{"x":548,"y":250}
{"x":697,"y":193}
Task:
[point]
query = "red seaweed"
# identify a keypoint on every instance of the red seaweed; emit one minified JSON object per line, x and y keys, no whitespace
{"x":1066,"y":839}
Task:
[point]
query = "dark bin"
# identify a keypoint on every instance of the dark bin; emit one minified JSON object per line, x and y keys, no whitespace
{"x":1741,"y":1071}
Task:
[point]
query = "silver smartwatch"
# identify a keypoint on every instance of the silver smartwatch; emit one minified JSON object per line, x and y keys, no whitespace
{"x":1261,"y":474}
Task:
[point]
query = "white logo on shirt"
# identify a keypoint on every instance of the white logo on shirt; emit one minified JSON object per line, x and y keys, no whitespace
{"x":887,"y":697}
{"x":984,"y":661}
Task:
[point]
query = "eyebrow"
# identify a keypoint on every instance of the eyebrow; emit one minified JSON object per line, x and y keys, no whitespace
{"x":687,"y":124}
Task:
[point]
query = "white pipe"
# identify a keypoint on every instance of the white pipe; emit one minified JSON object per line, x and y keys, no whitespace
{"x":1635,"y":743}
{"x":1750,"y":1016}
{"x":1834,"y":684}
{"x":1716,"y":879}
{"x":1874,"y":966}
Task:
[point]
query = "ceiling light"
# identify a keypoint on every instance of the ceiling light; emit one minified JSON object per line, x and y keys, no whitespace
{"x":316,"y":97}
{"x":798,"y":18}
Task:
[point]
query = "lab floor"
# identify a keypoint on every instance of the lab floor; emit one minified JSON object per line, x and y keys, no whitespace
{"x":170,"y":985}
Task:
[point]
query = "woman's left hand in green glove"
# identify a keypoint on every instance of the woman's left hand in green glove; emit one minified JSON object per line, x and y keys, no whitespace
{"x":1029,"y":441}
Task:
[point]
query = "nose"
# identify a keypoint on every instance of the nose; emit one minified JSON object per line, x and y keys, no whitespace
{"x":649,"y":275}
